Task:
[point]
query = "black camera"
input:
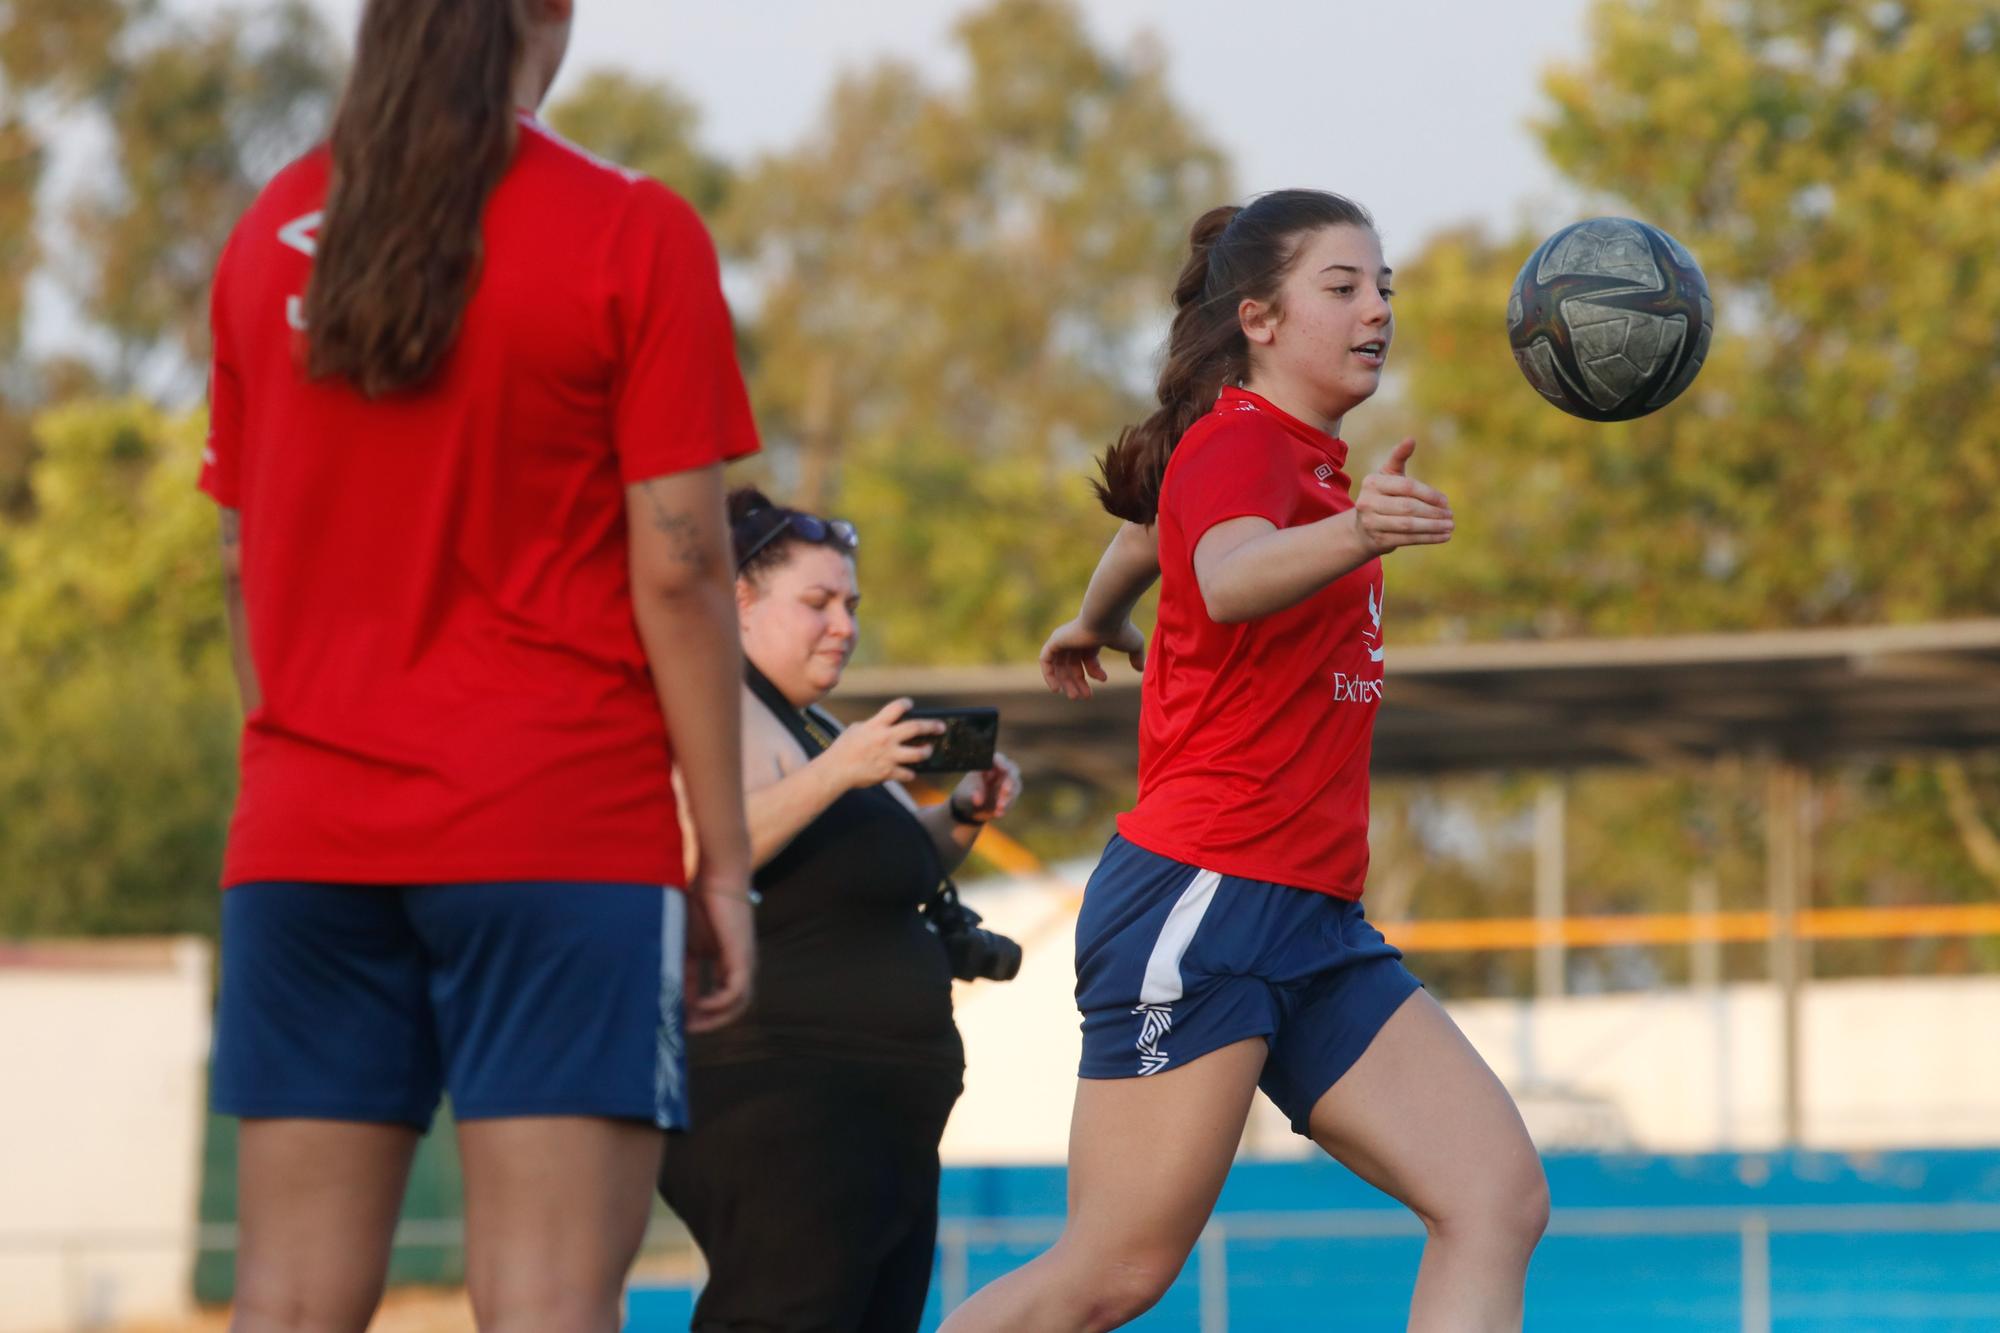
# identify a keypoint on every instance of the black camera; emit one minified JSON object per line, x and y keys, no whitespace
{"x":974,"y":953}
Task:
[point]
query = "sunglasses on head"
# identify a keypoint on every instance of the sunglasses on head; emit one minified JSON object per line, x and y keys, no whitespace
{"x":819,"y":531}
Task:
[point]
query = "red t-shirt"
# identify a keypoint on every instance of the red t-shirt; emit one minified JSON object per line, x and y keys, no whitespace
{"x":436,"y":582}
{"x":1254,"y":738}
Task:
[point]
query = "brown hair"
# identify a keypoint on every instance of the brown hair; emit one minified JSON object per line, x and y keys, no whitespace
{"x":424,"y":132}
{"x":763,"y":537}
{"x":1234,"y":254}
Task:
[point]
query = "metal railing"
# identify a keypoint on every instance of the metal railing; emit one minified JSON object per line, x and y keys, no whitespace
{"x":958,"y":1237}
{"x":1752,"y":1226}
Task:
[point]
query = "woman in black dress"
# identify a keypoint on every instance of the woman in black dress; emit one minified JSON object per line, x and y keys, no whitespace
{"x":810,"y":1176}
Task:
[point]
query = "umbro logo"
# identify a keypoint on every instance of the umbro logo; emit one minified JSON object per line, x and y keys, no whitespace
{"x":1155,"y":1021}
{"x":1323,"y":474}
{"x":302,"y":233}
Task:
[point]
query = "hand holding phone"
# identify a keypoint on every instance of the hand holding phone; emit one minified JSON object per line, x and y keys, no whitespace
{"x":970,"y":735}
{"x":884,"y":748}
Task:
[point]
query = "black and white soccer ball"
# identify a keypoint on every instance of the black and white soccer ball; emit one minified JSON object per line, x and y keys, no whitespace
{"x":1610,"y":319}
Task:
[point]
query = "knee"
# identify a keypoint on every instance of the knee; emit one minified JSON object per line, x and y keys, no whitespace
{"x":268,"y":1303}
{"x":534,"y":1309}
{"x":1125,"y":1286}
{"x":1505,"y":1207}
{"x":1524,"y":1215}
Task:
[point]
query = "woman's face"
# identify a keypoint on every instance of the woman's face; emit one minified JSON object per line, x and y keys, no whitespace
{"x":1329,"y":336}
{"x":798,"y":621}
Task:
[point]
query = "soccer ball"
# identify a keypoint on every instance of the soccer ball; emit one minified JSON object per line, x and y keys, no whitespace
{"x":1610,"y":319}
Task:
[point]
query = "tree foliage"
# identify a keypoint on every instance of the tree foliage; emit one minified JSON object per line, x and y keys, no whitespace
{"x":1836,"y":170}
{"x":647,"y":127}
{"x":197,"y":112}
{"x":949,"y":298}
{"x":957,"y":290}
{"x":117,"y":717}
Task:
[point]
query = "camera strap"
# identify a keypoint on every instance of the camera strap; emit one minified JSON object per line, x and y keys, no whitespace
{"x":814,"y":732}
{"x":808,"y":727}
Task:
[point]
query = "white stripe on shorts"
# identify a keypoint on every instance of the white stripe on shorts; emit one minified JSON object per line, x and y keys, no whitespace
{"x":670,"y":1052}
{"x":1163,"y":968}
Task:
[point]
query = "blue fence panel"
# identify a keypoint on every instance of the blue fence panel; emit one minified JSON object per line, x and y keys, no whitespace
{"x":1637,"y":1284}
{"x":1902,"y":1242}
{"x":1912,"y":1282}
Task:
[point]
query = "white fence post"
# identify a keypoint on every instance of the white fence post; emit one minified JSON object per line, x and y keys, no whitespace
{"x":1212,"y":1259}
{"x":1756,"y":1239}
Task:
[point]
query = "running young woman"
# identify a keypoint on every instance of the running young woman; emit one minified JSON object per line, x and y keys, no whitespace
{"x":1221,"y":947}
{"x":472,"y":391}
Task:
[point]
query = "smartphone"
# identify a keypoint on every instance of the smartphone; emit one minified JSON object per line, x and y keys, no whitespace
{"x":967,"y":743}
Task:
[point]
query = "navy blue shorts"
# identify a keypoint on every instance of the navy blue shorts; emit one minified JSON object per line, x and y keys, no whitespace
{"x":1173,"y":962}
{"x":364,"y":1002}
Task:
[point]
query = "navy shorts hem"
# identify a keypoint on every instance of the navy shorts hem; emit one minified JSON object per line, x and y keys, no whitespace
{"x":244,"y":1108}
{"x":582,"y":1107}
{"x":1377,"y":1004}
{"x":1104,"y":1067}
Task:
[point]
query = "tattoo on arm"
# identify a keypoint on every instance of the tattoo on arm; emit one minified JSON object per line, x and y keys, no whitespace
{"x":682,"y":531}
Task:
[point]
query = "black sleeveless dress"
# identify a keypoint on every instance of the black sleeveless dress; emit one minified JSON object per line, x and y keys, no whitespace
{"x":810,"y":1175}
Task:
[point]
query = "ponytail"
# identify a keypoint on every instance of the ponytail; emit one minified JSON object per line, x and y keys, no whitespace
{"x":1205,"y":351}
{"x":1234,"y":254}
{"x":424,"y":133}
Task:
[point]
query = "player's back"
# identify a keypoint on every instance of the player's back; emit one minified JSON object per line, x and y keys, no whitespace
{"x":436,"y":579}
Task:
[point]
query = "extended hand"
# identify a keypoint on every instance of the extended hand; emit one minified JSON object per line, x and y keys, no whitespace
{"x":1395,"y":509}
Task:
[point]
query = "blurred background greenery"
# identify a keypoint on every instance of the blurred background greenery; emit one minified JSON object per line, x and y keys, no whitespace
{"x":949,"y":294}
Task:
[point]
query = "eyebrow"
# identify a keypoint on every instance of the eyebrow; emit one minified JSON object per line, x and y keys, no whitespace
{"x":1384,"y":271}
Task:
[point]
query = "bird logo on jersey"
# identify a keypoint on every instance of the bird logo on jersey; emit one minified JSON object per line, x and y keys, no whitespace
{"x":1372,"y":634}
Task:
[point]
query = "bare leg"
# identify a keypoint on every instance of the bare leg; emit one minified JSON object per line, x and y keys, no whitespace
{"x":317,"y":1203}
{"x":555,"y":1210}
{"x":1147,"y":1157}
{"x":1421,"y":1117}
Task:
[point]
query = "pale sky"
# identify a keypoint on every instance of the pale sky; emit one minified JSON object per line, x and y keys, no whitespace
{"x":1414,"y":107}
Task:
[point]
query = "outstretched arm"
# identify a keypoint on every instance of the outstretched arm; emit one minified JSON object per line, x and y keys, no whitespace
{"x":1248,"y":567}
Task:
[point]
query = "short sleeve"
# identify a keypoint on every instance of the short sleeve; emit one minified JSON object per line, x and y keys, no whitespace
{"x":1239,"y":471}
{"x":678,"y":398}
{"x":222,"y":454}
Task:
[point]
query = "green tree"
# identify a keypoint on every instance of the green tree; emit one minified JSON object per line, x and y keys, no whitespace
{"x":1832,"y":168}
{"x":20,"y":176}
{"x":201,"y":118}
{"x":198,"y":111}
{"x":957,"y":290}
{"x":117,"y":712}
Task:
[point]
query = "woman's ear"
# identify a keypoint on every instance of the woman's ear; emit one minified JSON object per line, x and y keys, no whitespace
{"x":1259,"y":320}
{"x":746,"y":593}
